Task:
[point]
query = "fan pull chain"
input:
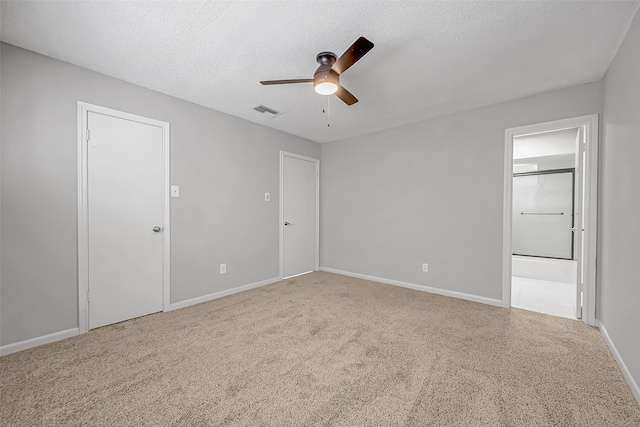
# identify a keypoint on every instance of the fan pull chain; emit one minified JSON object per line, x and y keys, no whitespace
{"x":328,"y":111}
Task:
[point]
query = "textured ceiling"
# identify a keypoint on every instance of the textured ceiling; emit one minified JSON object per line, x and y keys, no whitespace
{"x":429,"y":59}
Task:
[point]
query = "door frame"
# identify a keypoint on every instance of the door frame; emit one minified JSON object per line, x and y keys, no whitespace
{"x":83,"y":215}
{"x":590,"y":124}
{"x":281,"y":227}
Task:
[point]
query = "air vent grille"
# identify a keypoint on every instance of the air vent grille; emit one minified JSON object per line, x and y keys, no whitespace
{"x":264,"y":109}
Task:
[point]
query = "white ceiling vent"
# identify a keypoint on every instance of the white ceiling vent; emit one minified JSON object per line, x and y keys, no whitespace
{"x":266,"y":110}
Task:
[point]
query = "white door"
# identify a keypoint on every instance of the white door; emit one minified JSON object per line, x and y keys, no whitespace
{"x":299,"y":214}
{"x":125,"y":218}
{"x":578,"y":213}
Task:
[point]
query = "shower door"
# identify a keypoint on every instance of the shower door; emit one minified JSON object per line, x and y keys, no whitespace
{"x":543,"y":214}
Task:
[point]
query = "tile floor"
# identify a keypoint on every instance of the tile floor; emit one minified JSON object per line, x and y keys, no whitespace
{"x":557,"y":299}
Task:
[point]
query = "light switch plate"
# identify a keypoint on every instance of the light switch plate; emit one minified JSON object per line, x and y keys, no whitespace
{"x":175,"y":191}
{"x":267,"y":197}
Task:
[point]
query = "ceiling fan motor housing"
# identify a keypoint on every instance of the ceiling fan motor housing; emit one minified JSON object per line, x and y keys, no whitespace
{"x":326,"y":76}
{"x":324,"y":73}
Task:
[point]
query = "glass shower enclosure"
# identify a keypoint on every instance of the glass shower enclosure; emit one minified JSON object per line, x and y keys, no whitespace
{"x":543,"y":214}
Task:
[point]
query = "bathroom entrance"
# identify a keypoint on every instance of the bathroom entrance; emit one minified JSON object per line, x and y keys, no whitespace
{"x":544,"y":222}
{"x":550,"y":217}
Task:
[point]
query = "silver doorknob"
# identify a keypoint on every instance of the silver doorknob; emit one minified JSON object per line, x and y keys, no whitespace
{"x":287,"y":223}
{"x":157,"y":229}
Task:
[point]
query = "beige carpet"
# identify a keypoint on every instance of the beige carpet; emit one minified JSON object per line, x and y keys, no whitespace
{"x":323,"y":349}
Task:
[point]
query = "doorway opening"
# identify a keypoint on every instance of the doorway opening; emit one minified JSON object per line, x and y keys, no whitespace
{"x":549,"y":218}
{"x":544,"y":261}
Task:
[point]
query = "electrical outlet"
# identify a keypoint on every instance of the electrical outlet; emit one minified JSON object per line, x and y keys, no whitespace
{"x":425,"y":267}
{"x":223,"y":268}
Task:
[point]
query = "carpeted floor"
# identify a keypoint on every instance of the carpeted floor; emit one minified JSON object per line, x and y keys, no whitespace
{"x":323,"y":349}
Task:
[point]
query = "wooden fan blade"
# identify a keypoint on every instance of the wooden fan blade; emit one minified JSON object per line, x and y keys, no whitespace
{"x":352,"y":55}
{"x":346,"y":96}
{"x":285,"y":82}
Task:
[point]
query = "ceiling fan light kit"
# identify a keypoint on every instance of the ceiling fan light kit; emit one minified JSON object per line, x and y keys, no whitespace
{"x":326,"y":79}
{"x":326,"y":88}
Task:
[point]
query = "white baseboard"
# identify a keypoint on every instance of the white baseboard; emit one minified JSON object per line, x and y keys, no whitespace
{"x":625,"y":371}
{"x":209,"y":297}
{"x":438,"y":291}
{"x":33,"y":342}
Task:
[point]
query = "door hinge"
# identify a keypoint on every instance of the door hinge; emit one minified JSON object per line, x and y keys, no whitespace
{"x":88,"y":297}
{"x":87,"y":134}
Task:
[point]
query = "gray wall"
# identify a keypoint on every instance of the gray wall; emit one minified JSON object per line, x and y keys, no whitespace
{"x":619,"y":228}
{"x":223,"y":165}
{"x":431,"y":192}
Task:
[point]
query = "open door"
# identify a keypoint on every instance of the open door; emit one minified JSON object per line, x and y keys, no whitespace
{"x":578,"y":215}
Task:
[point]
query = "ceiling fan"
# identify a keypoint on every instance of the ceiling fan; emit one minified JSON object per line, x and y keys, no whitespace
{"x":326,"y":79}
